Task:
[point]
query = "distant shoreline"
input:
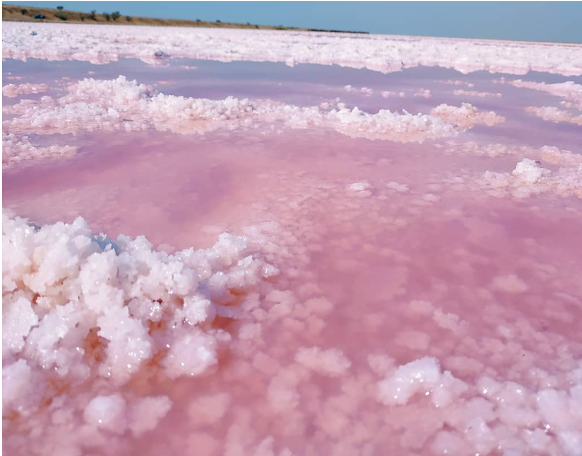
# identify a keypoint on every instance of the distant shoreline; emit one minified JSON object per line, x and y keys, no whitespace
{"x":16,"y":13}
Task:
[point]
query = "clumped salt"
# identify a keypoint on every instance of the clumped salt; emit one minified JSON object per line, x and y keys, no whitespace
{"x":17,"y":149}
{"x":15,"y":90}
{"x":417,"y":376}
{"x":103,"y":308}
{"x":125,"y":105}
{"x":466,"y":116}
{"x":331,"y":362}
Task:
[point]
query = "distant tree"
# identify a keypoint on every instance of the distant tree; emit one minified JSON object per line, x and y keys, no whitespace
{"x":198,"y":20}
{"x":115,"y":15}
{"x":93,"y":15}
{"x":60,"y":7}
{"x":82,"y":17}
{"x":107,"y":16}
{"x":218,"y":21}
{"x":23,"y":11}
{"x":61,"y":16}
{"x":128,"y":18}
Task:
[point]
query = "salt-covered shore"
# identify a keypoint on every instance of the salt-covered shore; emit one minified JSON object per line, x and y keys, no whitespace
{"x":384,"y":53}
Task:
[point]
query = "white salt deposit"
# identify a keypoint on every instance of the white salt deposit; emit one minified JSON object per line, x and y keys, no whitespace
{"x":125,"y":105}
{"x":78,"y":307}
{"x":568,"y":90}
{"x":529,"y":178}
{"x":553,"y":114}
{"x":107,"y":412}
{"x":17,"y":149}
{"x":419,"y":376}
{"x":15,"y":90}
{"x":102,"y":44}
{"x":466,"y":116}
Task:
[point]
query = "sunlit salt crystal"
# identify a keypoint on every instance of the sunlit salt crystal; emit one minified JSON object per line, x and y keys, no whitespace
{"x":415,"y":377}
{"x":331,"y":362}
{"x":571,"y":442}
{"x":191,"y":355}
{"x":529,"y":171}
{"x":197,"y":310}
{"x":359,"y":186}
{"x":521,"y":416}
{"x":450,"y":444}
{"x":14,"y":90}
{"x":15,"y":382}
{"x":509,"y":284}
{"x":17,"y":320}
{"x":208,"y":409}
{"x":537,"y":439}
{"x":466,"y":116}
{"x":555,"y":409}
{"x":447,"y":390}
{"x":480,"y":436}
{"x":106,"y":412}
{"x":146,"y":413}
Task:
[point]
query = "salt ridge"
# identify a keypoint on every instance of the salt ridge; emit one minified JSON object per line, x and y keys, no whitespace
{"x":121,"y":104}
{"x":102,"y":44}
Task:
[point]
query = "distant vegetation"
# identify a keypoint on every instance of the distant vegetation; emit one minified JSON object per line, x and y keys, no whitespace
{"x":20,"y":14}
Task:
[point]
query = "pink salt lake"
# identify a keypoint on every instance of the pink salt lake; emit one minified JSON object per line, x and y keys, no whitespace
{"x":398,"y":261}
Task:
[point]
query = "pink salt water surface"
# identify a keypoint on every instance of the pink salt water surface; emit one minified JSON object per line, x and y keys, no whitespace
{"x":425,"y":298}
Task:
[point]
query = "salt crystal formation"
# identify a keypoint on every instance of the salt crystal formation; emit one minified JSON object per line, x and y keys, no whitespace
{"x":386,"y":262}
{"x":79,"y":307}
{"x":14,"y":90}
{"x":99,"y":44}
{"x":16,"y":149}
{"x":128,"y":106}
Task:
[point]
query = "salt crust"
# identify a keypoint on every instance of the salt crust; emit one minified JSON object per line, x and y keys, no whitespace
{"x":15,"y":90}
{"x":489,"y":406}
{"x":530,"y":176}
{"x":102,"y":44}
{"x":553,"y":114}
{"x":120,"y":104}
{"x":16,"y":149}
{"x":568,"y":90}
{"x":79,"y":307}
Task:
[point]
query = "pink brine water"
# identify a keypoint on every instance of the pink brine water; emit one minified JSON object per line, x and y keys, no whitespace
{"x":341,"y":257}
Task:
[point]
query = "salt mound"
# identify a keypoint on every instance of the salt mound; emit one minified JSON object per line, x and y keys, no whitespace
{"x":553,"y":114}
{"x":466,"y":116}
{"x":420,"y":376}
{"x":16,"y":149}
{"x":120,"y":104}
{"x":529,"y":178}
{"x":79,"y":307}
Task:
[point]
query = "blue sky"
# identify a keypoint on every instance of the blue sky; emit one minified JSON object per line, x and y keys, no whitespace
{"x":532,"y":21}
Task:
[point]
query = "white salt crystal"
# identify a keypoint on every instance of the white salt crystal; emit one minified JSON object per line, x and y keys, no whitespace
{"x":106,"y":412}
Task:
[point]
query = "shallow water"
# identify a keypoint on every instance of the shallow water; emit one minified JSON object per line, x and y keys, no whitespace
{"x":389,"y":252}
